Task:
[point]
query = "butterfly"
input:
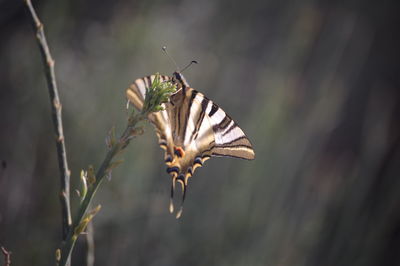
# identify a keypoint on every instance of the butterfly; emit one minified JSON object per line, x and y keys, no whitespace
{"x":190,"y":129}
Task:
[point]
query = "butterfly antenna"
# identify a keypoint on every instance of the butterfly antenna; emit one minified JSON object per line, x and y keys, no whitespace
{"x":186,"y":67}
{"x":164,"y":48}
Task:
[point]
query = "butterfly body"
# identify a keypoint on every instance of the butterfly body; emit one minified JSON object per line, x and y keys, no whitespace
{"x":190,"y":129}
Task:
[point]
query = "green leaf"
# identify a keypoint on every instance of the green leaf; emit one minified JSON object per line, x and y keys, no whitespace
{"x":82,"y":225}
{"x":157,"y":94}
{"x":84,"y":188}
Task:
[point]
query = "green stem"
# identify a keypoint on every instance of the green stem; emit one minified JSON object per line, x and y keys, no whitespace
{"x":123,"y":141}
{"x":155,"y":96}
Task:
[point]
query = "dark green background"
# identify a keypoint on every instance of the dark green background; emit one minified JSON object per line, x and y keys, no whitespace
{"x":314,"y":84}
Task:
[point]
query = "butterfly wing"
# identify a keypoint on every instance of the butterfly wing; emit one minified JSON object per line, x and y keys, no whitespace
{"x":203,"y":129}
{"x":194,"y":124}
{"x":230,"y":139}
{"x":136,"y":94}
{"x":213,"y":131}
{"x":191,"y":129}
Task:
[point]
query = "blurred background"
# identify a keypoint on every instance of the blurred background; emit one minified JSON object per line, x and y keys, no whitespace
{"x":314,"y":84}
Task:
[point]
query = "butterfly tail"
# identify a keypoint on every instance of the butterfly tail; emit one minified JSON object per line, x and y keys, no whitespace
{"x":184,"y":189}
{"x":171,"y":201}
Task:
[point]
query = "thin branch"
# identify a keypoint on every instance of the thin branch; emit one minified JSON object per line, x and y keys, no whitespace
{"x":82,"y":219}
{"x":57,"y":119}
{"x":156,"y":95}
{"x":7,"y":256}
{"x":90,"y":244}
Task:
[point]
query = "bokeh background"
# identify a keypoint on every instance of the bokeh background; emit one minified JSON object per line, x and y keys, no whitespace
{"x":314,"y":84}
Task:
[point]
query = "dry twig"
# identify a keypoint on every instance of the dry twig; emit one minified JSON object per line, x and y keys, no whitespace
{"x":57,"y":119}
{"x":7,"y":256}
{"x":90,"y":244}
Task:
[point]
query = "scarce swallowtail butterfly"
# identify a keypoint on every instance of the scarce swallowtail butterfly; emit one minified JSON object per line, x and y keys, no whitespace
{"x":190,"y":129}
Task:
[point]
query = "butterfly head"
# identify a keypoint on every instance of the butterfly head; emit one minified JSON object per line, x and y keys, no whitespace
{"x":179,"y":80}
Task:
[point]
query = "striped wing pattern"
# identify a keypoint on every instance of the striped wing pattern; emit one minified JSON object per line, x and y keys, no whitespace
{"x":136,"y":94}
{"x":191,"y":129}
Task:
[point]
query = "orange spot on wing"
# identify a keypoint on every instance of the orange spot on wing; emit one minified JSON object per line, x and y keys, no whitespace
{"x":179,"y":151}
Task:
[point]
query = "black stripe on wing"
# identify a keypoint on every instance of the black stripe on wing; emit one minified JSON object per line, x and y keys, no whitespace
{"x":204,"y":104}
{"x":187,"y":115}
{"x":214,"y":109}
{"x":230,"y":139}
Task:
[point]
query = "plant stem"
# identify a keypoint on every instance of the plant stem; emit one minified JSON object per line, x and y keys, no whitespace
{"x":90,"y":244}
{"x":57,"y":119}
{"x":155,"y":96}
{"x":7,"y":256}
{"x":101,"y":173}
